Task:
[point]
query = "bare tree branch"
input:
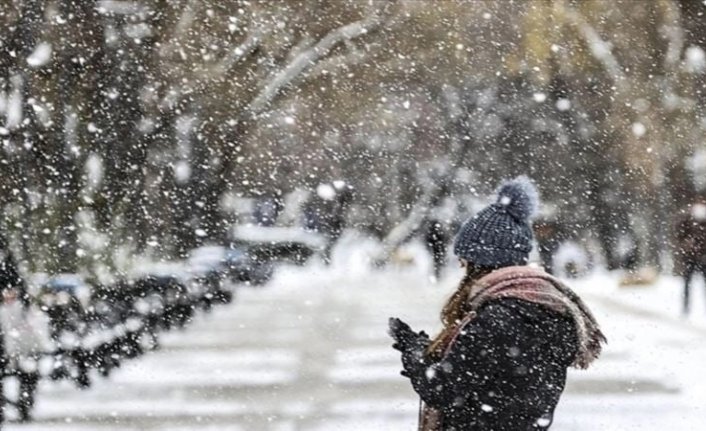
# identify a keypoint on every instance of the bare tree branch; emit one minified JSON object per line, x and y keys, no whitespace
{"x":674,"y":33}
{"x":219,"y":70}
{"x":187,"y":17}
{"x":355,"y":55}
{"x":236,"y":54}
{"x":420,"y":211}
{"x":342,"y":61}
{"x":600,"y":49}
{"x":309,"y":57}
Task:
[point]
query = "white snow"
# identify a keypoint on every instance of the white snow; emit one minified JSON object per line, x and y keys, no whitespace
{"x":41,"y":55}
{"x":14,"y":104}
{"x":182,"y":171}
{"x":699,"y":211}
{"x":26,"y":331}
{"x":206,"y":257}
{"x":697,"y":165}
{"x":121,"y":7}
{"x":638,"y":129}
{"x":695,"y":59}
{"x":563,"y":104}
{"x":539,"y":97}
{"x":277,"y":234}
{"x":94,"y":170}
{"x":325,"y":191}
{"x":138,"y":31}
{"x":310,"y":352}
{"x":570,"y":252}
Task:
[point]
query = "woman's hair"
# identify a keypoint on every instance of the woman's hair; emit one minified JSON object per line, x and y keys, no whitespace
{"x":455,"y":309}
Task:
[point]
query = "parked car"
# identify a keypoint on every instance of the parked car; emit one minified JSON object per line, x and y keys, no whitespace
{"x":235,"y":263}
{"x":276,"y":243}
{"x":245,"y":268}
{"x":64,"y":298}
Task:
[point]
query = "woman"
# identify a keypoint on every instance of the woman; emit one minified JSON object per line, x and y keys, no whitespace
{"x":510,"y":331}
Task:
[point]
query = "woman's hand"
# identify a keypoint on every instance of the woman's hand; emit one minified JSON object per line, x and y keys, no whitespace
{"x":412,"y":345}
{"x":401,"y":333}
{"x":404,"y":336}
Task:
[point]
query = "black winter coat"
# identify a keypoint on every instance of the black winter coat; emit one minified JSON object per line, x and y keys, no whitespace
{"x":504,"y":372}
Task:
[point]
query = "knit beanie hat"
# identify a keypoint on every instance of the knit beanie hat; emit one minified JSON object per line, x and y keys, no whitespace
{"x":501,"y":234}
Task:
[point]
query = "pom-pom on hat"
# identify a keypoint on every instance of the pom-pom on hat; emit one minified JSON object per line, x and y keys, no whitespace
{"x":501,"y":234}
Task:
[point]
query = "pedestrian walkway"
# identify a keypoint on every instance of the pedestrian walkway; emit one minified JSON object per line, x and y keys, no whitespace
{"x":310,"y":352}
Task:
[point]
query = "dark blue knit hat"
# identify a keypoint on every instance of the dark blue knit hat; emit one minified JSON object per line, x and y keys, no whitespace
{"x":501,"y":234}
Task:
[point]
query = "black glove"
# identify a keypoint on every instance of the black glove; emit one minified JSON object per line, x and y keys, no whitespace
{"x":403,"y":334}
{"x":412,"y":345}
{"x":406,"y":340}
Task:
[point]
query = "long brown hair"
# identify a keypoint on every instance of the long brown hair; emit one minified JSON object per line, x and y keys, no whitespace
{"x":455,"y":309}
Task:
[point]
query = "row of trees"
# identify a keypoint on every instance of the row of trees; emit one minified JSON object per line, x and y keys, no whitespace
{"x":125,"y":124}
{"x":125,"y":120}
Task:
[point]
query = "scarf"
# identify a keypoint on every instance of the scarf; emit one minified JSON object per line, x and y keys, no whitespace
{"x":531,"y":285}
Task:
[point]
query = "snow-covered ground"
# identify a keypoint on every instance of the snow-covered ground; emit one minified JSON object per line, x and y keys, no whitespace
{"x":650,"y":375}
{"x":310,"y":352}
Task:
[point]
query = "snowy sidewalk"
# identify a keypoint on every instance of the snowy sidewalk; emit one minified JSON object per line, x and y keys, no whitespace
{"x":310,"y":352}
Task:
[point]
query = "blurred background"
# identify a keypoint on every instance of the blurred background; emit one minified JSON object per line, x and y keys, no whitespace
{"x":139,"y":125}
{"x":176,"y":150}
